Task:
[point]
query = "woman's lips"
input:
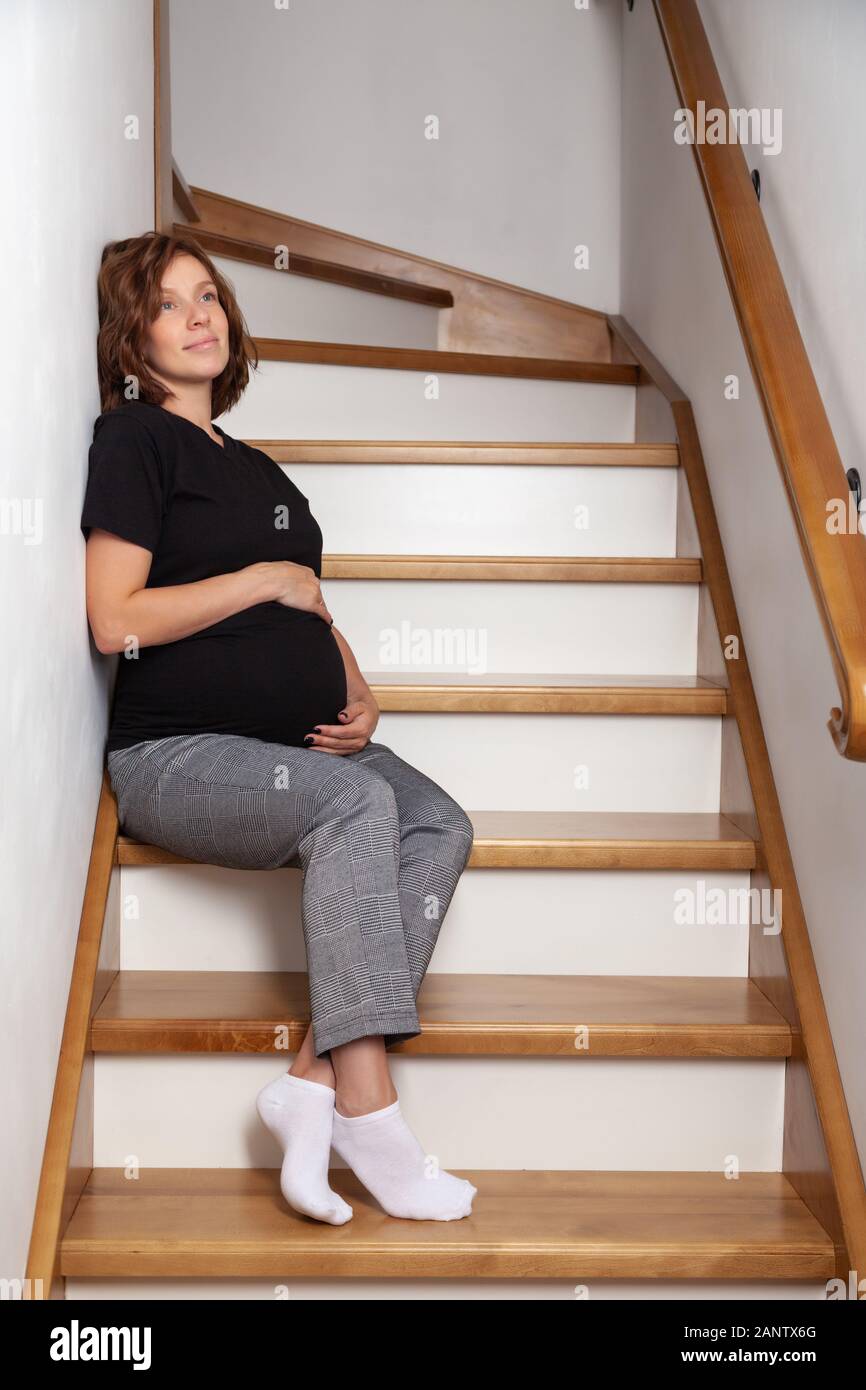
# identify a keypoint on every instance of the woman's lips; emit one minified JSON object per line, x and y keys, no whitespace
{"x":201,"y":347}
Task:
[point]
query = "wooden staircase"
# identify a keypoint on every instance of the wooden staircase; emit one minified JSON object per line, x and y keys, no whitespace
{"x":231,"y":1223}
{"x":526,"y":1224}
{"x":783,"y":1222}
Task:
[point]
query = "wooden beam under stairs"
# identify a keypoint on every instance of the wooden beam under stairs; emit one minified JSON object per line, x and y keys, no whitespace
{"x":313,"y":267}
{"x":487,"y":313}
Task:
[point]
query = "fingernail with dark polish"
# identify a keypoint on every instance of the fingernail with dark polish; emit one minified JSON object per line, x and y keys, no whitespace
{"x":308,"y":740}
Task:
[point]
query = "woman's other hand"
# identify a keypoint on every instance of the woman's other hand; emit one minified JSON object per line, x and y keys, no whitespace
{"x":357,"y":722}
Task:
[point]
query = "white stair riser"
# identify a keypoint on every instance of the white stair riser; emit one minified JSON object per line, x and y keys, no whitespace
{"x":281,"y":305}
{"x":478,"y":626}
{"x":491,"y":509}
{"x":475,"y":1290}
{"x":198,"y":1110}
{"x":312,"y":400}
{"x":564,"y":762}
{"x":500,"y":921}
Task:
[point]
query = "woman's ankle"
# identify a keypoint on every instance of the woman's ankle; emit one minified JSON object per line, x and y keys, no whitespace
{"x":354,"y":1102}
{"x":320,"y":1071}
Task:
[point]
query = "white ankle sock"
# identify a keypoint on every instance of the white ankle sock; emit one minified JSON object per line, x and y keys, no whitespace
{"x":382,"y":1151}
{"x":299,"y":1113}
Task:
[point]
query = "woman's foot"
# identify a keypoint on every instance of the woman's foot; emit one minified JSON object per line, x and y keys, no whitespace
{"x":382,"y":1151}
{"x":299,"y":1113}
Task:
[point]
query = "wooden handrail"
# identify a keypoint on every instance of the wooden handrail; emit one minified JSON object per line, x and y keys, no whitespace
{"x":802,"y":439}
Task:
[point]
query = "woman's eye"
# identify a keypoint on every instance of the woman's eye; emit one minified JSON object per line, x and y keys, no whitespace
{"x":170,"y":302}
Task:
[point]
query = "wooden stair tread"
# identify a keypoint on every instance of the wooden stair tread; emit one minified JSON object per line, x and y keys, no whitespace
{"x":555,"y":692}
{"x":544,"y":454}
{"x":234,"y":1222}
{"x":661,"y":839}
{"x":533,"y":1015}
{"x":594,"y":569}
{"x":572,"y":840}
{"x":437,"y":360}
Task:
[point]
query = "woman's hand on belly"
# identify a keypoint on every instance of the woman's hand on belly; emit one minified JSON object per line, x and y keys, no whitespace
{"x":358,"y":722}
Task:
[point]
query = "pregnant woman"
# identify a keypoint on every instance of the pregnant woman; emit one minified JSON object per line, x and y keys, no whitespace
{"x":240,"y":730}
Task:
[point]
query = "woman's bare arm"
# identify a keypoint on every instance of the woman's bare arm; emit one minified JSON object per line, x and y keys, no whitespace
{"x":120,"y":608}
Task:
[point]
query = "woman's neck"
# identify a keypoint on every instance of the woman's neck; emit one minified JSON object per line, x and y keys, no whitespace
{"x":194,"y":405}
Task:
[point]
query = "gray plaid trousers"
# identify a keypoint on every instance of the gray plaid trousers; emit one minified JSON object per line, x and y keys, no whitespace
{"x":382,"y":847}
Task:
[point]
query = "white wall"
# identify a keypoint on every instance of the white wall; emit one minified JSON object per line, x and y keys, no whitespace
{"x":808,"y":60}
{"x":318,"y":110}
{"x":70,"y":75}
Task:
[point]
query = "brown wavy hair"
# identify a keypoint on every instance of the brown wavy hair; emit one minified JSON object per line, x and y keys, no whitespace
{"x":128,"y":290}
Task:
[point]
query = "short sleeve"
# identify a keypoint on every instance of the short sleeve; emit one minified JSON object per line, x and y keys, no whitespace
{"x":125,"y":491}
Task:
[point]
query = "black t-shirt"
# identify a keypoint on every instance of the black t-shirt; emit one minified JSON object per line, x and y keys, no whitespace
{"x":269,"y":672}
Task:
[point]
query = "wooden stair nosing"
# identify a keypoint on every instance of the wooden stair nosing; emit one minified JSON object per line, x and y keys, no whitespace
{"x":525,"y":1224}
{"x":569,"y":840}
{"x":554,"y":693}
{"x":588,"y":569}
{"x":437,"y":360}
{"x":413,"y":451}
{"x":158,"y":1011}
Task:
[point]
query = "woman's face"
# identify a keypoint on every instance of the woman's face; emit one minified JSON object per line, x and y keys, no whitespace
{"x":188,"y":341}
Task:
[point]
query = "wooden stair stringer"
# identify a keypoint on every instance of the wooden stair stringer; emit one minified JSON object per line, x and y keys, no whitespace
{"x":820,"y":1156}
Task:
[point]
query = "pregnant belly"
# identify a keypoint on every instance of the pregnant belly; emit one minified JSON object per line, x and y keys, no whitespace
{"x":271,"y":673}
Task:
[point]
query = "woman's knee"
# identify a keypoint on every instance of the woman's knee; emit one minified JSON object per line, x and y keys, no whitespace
{"x":439,"y":814}
{"x":361,"y":790}
{"x":461,"y":826}
{"x":445,"y":810}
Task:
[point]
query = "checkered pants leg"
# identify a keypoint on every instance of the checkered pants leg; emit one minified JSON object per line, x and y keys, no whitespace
{"x":382,"y":847}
